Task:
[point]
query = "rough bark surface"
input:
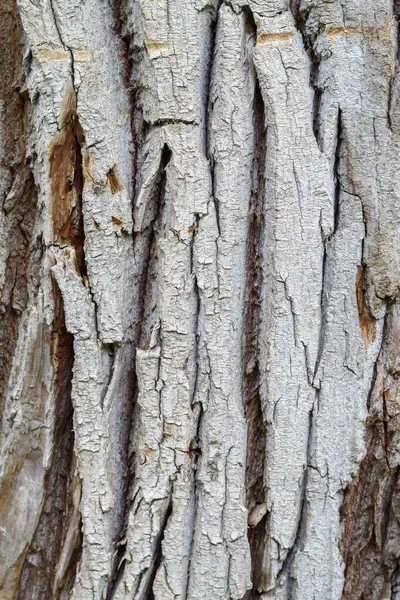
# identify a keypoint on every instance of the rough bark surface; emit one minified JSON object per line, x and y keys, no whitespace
{"x":199,"y":281}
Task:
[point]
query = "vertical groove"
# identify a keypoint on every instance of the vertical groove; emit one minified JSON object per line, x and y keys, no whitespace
{"x":197,"y":408}
{"x":256,"y":429}
{"x":336,"y":172}
{"x":208,"y":107}
{"x":148,"y":593}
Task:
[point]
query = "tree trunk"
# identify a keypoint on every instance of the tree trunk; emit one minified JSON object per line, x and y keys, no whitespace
{"x":199,"y":271}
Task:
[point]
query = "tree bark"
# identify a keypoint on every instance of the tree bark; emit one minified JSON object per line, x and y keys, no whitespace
{"x":199,"y":279}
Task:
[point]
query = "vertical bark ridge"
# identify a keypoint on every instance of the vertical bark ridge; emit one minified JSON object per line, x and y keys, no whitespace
{"x":300,"y":15}
{"x":145,"y":247}
{"x":256,"y":429}
{"x":326,"y":240}
{"x":17,"y":192}
{"x":371,"y":536}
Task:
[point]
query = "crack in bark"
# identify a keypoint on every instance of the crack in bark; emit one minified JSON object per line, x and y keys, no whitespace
{"x":256,"y":429}
{"x":66,"y":181}
{"x":326,"y":241}
{"x":301,"y":523}
{"x":336,"y":172}
{"x":208,"y":108}
{"x":148,"y":593}
{"x":195,"y":445}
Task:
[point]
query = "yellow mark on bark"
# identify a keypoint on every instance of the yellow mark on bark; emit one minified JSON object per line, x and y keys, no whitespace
{"x":153,"y":46}
{"x":367,"y":323}
{"x":63,"y":55}
{"x":48,"y":54}
{"x":335,"y":31}
{"x":270,"y":38}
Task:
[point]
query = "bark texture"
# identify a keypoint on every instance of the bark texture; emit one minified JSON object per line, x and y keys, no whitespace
{"x":199,"y":281}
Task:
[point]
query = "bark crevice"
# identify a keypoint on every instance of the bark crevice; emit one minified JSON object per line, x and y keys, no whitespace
{"x":256,"y":428}
{"x":148,"y":592}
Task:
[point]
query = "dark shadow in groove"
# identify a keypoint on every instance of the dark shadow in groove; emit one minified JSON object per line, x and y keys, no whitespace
{"x":336,"y":172}
{"x":148,"y":593}
{"x":256,"y":432}
{"x":208,"y":107}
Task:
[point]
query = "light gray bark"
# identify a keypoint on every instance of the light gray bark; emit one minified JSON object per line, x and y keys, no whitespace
{"x":199,"y":272}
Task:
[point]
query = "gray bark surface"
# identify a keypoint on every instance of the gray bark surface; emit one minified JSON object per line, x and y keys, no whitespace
{"x":199,"y":280}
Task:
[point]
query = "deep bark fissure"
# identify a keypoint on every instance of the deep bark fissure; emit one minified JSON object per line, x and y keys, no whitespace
{"x":208,"y":108}
{"x":336,"y":172}
{"x":323,"y":315}
{"x":256,"y":429}
{"x":326,"y":241}
{"x":41,"y":562}
{"x":148,"y":592}
{"x":151,"y":235}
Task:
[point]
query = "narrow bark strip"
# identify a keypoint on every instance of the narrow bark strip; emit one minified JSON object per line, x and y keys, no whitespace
{"x":300,"y":15}
{"x":17,"y":192}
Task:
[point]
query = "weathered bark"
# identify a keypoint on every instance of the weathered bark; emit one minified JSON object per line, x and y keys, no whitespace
{"x":199,"y":281}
